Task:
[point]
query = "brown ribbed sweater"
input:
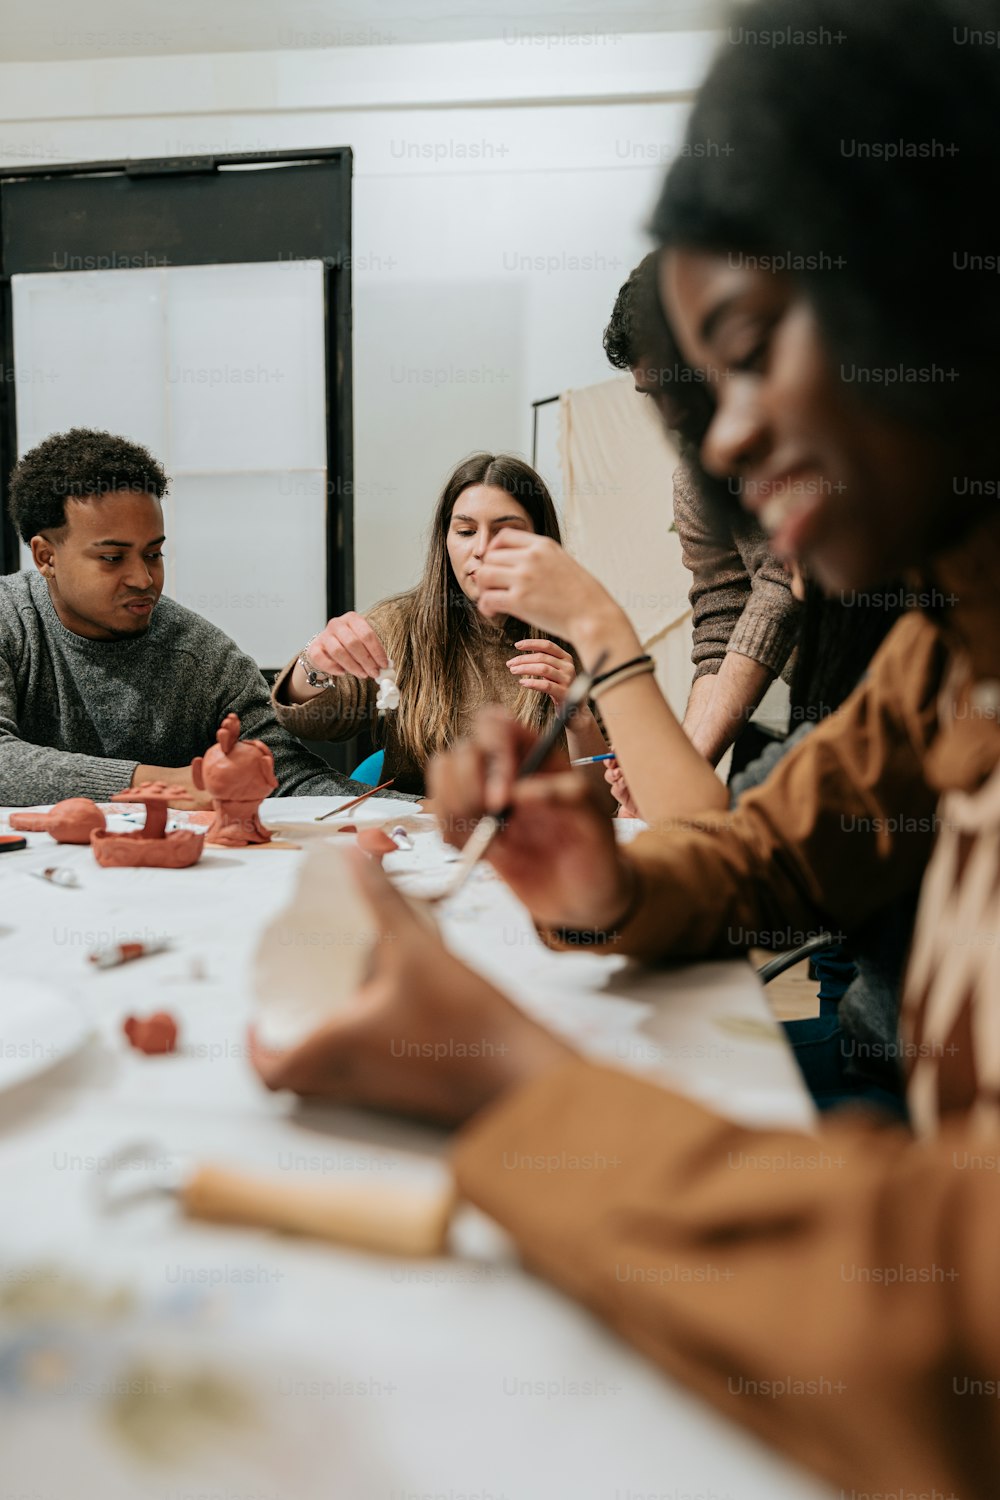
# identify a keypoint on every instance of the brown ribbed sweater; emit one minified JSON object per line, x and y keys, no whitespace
{"x":348,"y":706}
{"x":741,"y":597}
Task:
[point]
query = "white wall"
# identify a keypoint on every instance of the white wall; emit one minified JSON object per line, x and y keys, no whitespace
{"x":500,"y":194}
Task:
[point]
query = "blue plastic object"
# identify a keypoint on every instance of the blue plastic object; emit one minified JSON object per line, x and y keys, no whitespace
{"x":370,"y":771}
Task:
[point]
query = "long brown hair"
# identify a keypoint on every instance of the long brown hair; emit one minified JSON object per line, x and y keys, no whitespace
{"x":441,"y":633}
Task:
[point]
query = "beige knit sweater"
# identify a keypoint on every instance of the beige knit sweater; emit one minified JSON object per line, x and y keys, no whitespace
{"x":347,"y":707}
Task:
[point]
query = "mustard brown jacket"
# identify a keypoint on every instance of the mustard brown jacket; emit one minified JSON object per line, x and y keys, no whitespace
{"x":838,"y":1294}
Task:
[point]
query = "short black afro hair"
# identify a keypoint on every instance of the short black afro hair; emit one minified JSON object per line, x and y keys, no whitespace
{"x":858,"y":140}
{"x":81,"y":464}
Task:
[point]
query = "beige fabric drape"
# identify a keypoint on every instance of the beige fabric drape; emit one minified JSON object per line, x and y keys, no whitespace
{"x":617,"y":467}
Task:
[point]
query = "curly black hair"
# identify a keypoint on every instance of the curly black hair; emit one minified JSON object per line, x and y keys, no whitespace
{"x":860,"y":141}
{"x":81,"y":464}
{"x":626,"y":341}
{"x":639,"y":337}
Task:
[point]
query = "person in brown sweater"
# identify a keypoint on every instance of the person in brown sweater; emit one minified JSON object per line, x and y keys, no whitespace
{"x":448,"y":659}
{"x":855,"y":1321}
{"x":744,"y":611}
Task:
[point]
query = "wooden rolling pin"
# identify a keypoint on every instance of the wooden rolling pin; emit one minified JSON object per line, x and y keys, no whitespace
{"x":396,"y":1218}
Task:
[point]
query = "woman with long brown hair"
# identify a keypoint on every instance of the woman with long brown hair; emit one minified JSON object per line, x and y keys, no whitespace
{"x":448,"y":659}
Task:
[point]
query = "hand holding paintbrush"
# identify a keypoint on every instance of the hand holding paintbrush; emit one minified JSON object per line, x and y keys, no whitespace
{"x":490,"y":825}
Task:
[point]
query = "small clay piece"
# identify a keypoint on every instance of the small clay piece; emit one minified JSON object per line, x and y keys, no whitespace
{"x":69,"y":822}
{"x":376,"y":842}
{"x":155,"y":1034}
{"x":149,"y":845}
{"x":314,"y":953}
{"x":239,"y":774}
{"x":347,"y":828}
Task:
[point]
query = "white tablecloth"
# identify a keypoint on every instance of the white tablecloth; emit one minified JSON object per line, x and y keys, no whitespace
{"x":358,"y":1376}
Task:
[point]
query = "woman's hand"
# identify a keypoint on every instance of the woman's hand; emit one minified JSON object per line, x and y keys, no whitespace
{"x":347,"y":645}
{"x":557,"y":849}
{"x":615,"y":777}
{"x":424,"y":1035}
{"x":532,"y":578}
{"x":545,"y":667}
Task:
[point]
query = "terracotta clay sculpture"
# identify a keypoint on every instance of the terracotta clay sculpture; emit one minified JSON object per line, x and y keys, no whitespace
{"x":69,"y":822}
{"x":149,"y":845}
{"x":154,"y":1034}
{"x":239,"y":774}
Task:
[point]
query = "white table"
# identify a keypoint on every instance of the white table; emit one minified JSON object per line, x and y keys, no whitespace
{"x":371,"y":1377}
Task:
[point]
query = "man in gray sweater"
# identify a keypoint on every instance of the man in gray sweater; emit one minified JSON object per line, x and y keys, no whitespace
{"x":103,"y":683}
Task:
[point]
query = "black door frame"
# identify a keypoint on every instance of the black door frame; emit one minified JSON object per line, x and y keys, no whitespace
{"x":196,"y":210}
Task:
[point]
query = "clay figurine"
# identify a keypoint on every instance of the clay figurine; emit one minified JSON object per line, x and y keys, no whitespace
{"x":239,"y":774}
{"x":69,"y":822}
{"x":155,"y":1034}
{"x":150,"y":844}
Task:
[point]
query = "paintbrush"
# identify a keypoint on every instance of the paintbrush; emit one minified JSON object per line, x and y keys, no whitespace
{"x":346,"y":806}
{"x":489,"y":826}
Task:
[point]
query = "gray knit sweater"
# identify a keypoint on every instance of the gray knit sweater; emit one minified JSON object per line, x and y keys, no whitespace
{"x":77,"y":716}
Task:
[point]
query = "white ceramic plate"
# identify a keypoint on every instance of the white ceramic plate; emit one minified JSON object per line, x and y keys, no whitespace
{"x":39,"y":1026}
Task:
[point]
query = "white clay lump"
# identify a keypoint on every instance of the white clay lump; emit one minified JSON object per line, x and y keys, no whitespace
{"x":314,"y":955}
{"x":388,"y":692}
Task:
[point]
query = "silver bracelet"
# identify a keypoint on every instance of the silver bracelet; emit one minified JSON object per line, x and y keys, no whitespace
{"x":314,"y":677}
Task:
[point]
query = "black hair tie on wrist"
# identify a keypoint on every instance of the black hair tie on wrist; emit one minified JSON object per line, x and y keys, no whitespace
{"x":635,"y":661}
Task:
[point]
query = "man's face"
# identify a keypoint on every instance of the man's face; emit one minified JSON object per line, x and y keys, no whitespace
{"x":104,"y":567}
{"x":647,"y":377}
{"x":844,"y":491}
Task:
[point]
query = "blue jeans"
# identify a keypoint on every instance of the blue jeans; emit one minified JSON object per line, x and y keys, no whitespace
{"x":818,"y":1044}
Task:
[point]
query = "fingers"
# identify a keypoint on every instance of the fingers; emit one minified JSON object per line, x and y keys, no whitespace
{"x":509,"y":539}
{"x":476,"y":776}
{"x":566,"y":790}
{"x":495,"y":585}
{"x":504,"y":744}
{"x":549,"y":648}
{"x":545,"y":669}
{"x":393,"y":914}
{"x":539,"y":668}
{"x":268,"y":1064}
{"x":348,"y":644}
{"x":509,"y":574}
{"x":456,"y":783}
{"x":320,"y":1064}
{"x":492,"y":603}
